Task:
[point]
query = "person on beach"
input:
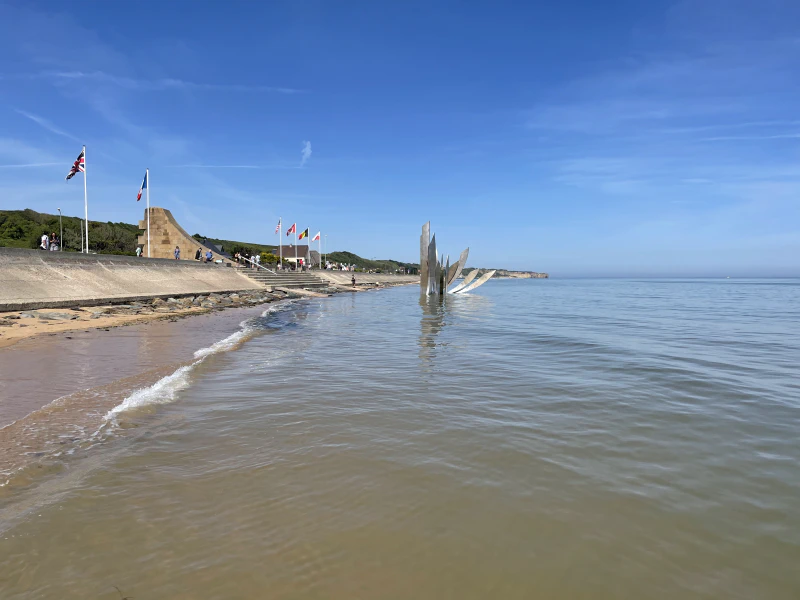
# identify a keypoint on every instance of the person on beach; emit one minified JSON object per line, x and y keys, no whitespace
{"x":209,"y":256}
{"x":177,"y":252}
{"x":138,"y":251}
{"x":198,"y":254}
{"x":354,"y":280}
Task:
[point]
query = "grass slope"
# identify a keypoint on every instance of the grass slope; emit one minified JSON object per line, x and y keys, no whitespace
{"x":24,"y":228}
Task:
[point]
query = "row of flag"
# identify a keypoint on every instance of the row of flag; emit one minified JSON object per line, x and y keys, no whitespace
{"x":79,"y":166}
{"x":293,"y":229}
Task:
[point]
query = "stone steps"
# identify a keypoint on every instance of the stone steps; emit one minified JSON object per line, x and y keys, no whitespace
{"x":287,"y":280}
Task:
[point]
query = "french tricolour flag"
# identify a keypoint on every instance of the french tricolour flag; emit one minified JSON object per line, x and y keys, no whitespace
{"x":142,"y":187}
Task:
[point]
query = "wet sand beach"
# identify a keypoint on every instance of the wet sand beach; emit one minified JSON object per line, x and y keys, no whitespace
{"x":55,"y":386}
{"x":541,"y":439}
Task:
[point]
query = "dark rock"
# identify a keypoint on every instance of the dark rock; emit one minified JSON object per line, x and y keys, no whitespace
{"x":59,"y":316}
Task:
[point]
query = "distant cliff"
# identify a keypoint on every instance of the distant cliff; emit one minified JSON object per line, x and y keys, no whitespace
{"x":504,"y":273}
{"x":521,"y":274}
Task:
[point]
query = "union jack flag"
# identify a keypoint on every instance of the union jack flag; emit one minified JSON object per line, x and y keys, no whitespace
{"x":278,"y":228}
{"x":79,"y":165}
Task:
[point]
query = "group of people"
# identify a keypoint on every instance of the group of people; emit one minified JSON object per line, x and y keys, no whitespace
{"x":207,"y":257}
{"x":339,"y":267}
{"x":253,"y":261}
{"x":51,"y":243}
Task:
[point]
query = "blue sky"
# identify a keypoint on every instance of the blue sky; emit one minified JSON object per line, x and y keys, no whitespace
{"x":577,"y":137}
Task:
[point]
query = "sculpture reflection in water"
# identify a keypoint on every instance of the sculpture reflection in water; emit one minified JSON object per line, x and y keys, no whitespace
{"x":436,"y":275}
{"x":461,"y":313}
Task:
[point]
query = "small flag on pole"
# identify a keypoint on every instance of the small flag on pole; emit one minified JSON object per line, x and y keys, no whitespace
{"x":78,"y":165}
{"x":316,"y":237}
{"x":292,"y":229}
{"x":142,"y":187}
{"x":278,"y":227}
{"x":303,"y":234}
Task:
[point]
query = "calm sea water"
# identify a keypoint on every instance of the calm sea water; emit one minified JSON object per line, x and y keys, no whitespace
{"x":536,"y":439}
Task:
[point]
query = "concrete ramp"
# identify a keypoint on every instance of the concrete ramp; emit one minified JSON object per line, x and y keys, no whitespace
{"x":344,"y":277}
{"x":38,"y":279}
{"x":166,"y":233}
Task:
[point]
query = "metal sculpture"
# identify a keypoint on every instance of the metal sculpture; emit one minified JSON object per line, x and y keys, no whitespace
{"x":436,"y":275}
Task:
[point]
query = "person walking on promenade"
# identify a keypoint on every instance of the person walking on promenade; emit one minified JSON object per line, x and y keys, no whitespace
{"x":177,"y":252}
{"x":138,"y":252}
{"x":44,"y":244}
{"x":258,"y":260}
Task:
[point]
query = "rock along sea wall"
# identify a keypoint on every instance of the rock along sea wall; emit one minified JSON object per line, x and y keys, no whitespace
{"x":32,"y":279}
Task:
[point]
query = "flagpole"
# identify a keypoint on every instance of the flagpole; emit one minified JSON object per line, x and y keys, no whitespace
{"x":147,"y":177}
{"x":320,"y":252}
{"x":85,"y":201}
{"x":295,"y":247}
{"x":280,"y":243}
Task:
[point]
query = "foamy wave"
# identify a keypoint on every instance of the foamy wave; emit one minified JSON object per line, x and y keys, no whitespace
{"x":161,"y":392}
{"x":164,"y":390}
{"x":281,"y":306}
{"x":228,"y":343}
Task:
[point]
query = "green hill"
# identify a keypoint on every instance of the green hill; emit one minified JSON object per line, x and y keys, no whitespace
{"x":24,"y":228}
{"x":383,"y":266}
{"x":232,"y":247}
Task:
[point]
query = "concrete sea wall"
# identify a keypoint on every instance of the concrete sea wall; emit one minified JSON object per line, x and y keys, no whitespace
{"x":32,"y":279}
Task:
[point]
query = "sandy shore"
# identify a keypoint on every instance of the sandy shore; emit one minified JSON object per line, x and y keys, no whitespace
{"x":19,"y":325}
{"x":22,"y":329}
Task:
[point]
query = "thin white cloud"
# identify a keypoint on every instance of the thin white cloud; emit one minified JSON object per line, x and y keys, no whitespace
{"x":202,"y":166}
{"x":198,"y":166}
{"x":45,"y":124}
{"x":305,"y":153}
{"x":162,"y":84}
{"x":726,"y":138}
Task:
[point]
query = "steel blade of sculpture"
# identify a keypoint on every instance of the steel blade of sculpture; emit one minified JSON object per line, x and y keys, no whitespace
{"x":458,"y":267}
{"x":424,"y":240}
{"x":433,"y":263}
{"x":467,"y":280}
{"x":483,"y":279}
{"x":436,"y":273}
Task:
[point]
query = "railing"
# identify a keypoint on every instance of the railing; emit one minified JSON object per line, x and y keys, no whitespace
{"x":257,"y":265}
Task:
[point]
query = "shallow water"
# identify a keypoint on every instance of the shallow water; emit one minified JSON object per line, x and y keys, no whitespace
{"x":538,"y":439}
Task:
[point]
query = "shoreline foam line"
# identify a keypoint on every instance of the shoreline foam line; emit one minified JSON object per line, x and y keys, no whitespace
{"x":166,"y":389}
